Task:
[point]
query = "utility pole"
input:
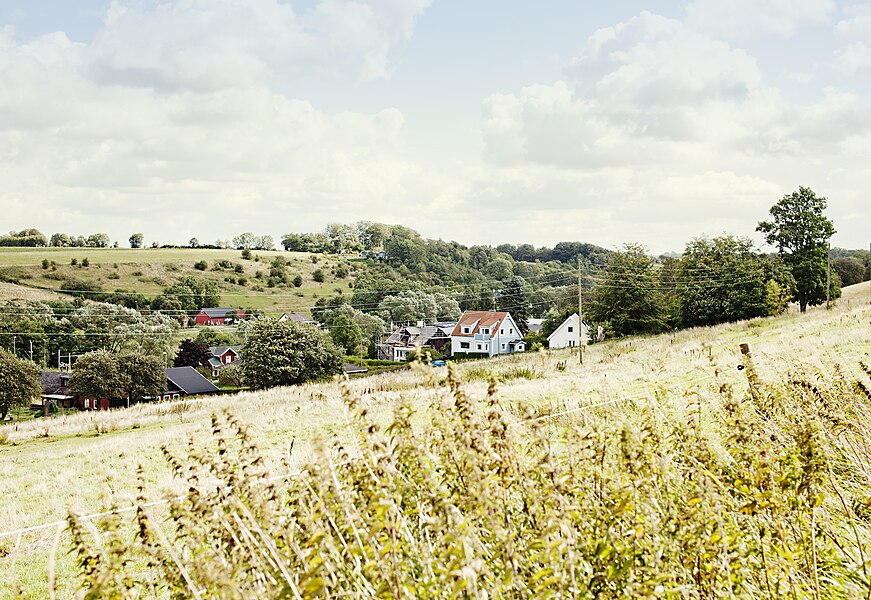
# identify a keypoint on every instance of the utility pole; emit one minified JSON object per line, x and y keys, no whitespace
{"x":828,"y":275}
{"x":580,"y":316}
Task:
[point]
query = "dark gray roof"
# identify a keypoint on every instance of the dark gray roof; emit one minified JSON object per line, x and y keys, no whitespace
{"x":190,"y":381}
{"x":348,"y":368}
{"x":298,"y":317}
{"x":54,"y":382}
{"x":217,"y":313}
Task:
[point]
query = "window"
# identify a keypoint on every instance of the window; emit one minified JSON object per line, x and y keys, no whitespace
{"x":479,"y":346}
{"x":87,"y":403}
{"x":502,"y":331}
{"x":485,"y":331}
{"x":174,"y":396}
{"x":503,"y":346}
{"x":571,"y":329}
{"x":464,"y":345}
{"x":511,"y":331}
{"x":465,"y":330}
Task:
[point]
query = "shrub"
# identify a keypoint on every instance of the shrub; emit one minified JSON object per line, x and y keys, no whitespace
{"x":318,"y":276}
{"x":201,"y":265}
{"x":297,"y":281}
{"x":45,"y":263}
{"x":85,"y":262}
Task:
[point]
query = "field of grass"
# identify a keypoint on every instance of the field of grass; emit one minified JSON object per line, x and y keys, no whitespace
{"x":87,"y":462}
{"x":149,"y":270}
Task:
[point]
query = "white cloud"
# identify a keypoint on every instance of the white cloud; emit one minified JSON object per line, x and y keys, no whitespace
{"x":736,"y":19}
{"x":854,"y":33}
{"x":664,"y":132}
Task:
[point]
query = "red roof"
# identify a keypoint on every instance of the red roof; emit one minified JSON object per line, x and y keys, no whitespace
{"x":475,"y":319}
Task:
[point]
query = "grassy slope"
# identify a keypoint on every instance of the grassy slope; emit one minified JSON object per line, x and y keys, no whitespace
{"x":150,"y":270}
{"x":81,"y":461}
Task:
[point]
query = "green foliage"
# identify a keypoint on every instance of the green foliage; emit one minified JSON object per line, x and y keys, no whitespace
{"x":136,"y":240}
{"x":103,"y":374}
{"x":629,"y":296}
{"x":191,"y":294}
{"x":850,"y":269}
{"x":412,"y":306}
{"x":318,"y":275}
{"x":286,"y":353}
{"x":346,"y":334}
{"x":719,"y":280}
{"x":26,"y":237}
{"x":229,"y":376}
{"x":99,"y":374}
{"x":201,"y":265}
{"x":297,"y":280}
{"x":19,"y":383}
{"x":801,"y":232}
{"x":216,"y":337}
{"x":515,"y":300}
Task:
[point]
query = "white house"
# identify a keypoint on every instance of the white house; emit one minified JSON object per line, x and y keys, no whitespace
{"x":486,"y":332}
{"x":568,"y":334}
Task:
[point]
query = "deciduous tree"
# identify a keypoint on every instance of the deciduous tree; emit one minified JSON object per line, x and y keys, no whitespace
{"x":800,"y":231}
{"x":19,"y":382}
{"x":192,"y":354}
{"x":629,"y":298}
{"x":286,"y":353}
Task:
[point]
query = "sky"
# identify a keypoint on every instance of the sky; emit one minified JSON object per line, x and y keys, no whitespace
{"x":482,"y":122}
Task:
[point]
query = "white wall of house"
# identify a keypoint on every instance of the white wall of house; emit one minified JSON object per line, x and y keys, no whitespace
{"x":497,"y":340}
{"x":567,"y":335}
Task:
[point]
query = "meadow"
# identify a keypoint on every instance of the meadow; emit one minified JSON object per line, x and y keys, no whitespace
{"x":88,"y":462}
{"x":149,"y":270}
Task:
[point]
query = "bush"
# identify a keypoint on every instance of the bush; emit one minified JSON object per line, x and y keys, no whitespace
{"x":45,"y":263}
{"x":297,"y":281}
{"x":201,"y":265}
{"x":318,"y":276}
{"x":285,"y":353}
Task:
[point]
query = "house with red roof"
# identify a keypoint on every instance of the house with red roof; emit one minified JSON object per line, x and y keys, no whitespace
{"x":486,"y":332}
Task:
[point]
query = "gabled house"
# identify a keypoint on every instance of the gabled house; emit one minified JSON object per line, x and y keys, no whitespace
{"x":486,"y":332}
{"x":298,"y":317}
{"x":187,"y":381}
{"x":56,"y":389}
{"x":223,"y":356}
{"x":411,"y":338}
{"x":218,"y":316}
{"x":569,"y":334}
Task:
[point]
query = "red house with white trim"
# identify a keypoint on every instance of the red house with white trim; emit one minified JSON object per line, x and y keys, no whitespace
{"x":218,"y":316}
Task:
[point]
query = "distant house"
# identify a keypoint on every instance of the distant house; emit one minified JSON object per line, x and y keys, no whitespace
{"x":186,"y":381}
{"x":569,"y":333}
{"x":410,"y":338}
{"x":56,"y":389}
{"x":218,"y":316}
{"x":486,"y":332}
{"x":534,"y":325}
{"x":223,"y":356}
{"x":298,"y":317}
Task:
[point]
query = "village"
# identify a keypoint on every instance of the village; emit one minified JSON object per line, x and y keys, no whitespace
{"x":476,"y":334}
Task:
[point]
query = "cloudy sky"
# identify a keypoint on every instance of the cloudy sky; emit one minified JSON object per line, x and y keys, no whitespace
{"x":483,"y":122}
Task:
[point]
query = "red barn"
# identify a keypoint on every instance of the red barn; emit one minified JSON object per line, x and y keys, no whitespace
{"x":218,"y":316}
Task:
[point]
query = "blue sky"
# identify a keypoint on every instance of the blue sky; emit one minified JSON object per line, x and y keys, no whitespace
{"x":484,"y":122}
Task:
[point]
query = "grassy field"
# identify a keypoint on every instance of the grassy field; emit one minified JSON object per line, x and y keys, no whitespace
{"x":150,"y":270}
{"x":87,"y":462}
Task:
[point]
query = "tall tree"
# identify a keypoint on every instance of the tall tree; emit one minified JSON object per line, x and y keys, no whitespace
{"x":145,"y":375}
{"x":99,"y":375}
{"x":800,"y":231}
{"x":515,"y":300}
{"x":346,"y":334}
{"x":136,"y":240}
{"x":287,"y":353}
{"x":19,"y":382}
{"x":629,"y":299}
